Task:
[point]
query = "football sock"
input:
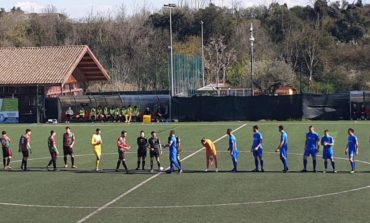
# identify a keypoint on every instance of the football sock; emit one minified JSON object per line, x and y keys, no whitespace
{"x":256,"y":163}
{"x":138,"y":164}
{"x":124,"y":164}
{"x":8,"y":161}
{"x":285,"y":163}
{"x":143,"y":165}
{"x":326,"y":164}
{"x":97,"y":164}
{"x":25,"y":165}
{"x":22,"y":165}
{"x":118,"y":164}
{"x":65,"y":160}
{"x":151,"y":164}
{"x":50,"y":162}
{"x":73,"y":160}
{"x":4,"y":162}
{"x":333,"y":164}
{"x":235,"y":164}
{"x":304,"y":164}
{"x":178,"y":165}
{"x":314,"y":164}
{"x":55,"y":163}
{"x":171,"y":166}
{"x":159,"y":164}
{"x":261,"y":162}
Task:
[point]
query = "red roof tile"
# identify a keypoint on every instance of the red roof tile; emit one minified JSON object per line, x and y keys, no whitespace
{"x":44,"y":65}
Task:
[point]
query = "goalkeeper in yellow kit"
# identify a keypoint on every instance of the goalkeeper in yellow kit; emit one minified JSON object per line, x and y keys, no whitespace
{"x":96,"y":143}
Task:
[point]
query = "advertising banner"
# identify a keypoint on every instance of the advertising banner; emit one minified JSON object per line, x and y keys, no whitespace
{"x":9,"y":112}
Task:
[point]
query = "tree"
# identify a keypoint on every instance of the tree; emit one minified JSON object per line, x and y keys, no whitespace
{"x":272,"y":75}
{"x":327,"y":45}
{"x":352,"y":25}
{"x":217,"y":23}
{"x":321,"y":10}
{"x":16,"y":10}
{"x":310,"y":51}
{"x":218,"y":59}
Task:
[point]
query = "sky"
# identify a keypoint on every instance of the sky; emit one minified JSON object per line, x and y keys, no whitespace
{"x":80,"y":8}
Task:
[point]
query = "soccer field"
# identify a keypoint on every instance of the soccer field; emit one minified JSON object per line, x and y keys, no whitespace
{"x":82,"y":195}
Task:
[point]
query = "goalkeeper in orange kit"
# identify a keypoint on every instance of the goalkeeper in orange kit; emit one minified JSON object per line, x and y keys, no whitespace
{"x":211,"y":152}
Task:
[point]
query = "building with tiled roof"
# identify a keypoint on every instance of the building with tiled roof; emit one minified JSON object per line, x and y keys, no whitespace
{"x":50,"y":66}
{"x":49,"y":71}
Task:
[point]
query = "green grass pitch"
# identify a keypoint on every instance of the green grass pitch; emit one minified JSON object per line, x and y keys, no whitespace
{"x":194,"y":196}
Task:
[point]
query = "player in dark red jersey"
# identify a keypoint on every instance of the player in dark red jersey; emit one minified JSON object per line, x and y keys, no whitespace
{"x":25,"y":148}
{"x":122,"y":148}
{"x":52,"y":145}
{"x":7,"y":152}
{"x":68,"y":143}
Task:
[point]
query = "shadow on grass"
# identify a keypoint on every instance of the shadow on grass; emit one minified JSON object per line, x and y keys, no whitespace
{"x":147,"y":172}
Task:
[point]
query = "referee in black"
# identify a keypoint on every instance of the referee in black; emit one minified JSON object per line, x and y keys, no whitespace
{"x":155,"y":150}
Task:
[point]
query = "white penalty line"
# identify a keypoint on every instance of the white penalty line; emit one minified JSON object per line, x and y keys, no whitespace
{"x":144,"y":182}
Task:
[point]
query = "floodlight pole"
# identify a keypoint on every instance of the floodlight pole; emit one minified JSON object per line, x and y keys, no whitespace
{"x":170,"y":6}
{"x":251,"y":39}
{"x":202,"y":30}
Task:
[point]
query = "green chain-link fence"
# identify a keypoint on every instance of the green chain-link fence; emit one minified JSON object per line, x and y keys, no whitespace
{"x":187,"y":74}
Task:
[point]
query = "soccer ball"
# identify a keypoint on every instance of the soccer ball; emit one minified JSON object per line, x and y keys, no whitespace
{"x":161,"y":168}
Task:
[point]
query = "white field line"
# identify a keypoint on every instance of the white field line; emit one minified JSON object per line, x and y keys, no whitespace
{"x":246,"y":203}
{"x":196,"y":205}
{"x":144,"y":182}
{"x":201,"y":205}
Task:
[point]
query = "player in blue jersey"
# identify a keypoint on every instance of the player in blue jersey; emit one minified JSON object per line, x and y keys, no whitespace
{"x":327,"y":142}
{"x":283,"y":148}
{"x":173,"y":151}
{"x":352,"y":149}
{"x":233,"y":150}
{"x":257,"y":148}
{"x":311,"y":148}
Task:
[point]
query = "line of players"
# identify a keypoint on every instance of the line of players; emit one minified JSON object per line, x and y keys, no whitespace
{"x":311,"y":148}
{"x":153,"y":144}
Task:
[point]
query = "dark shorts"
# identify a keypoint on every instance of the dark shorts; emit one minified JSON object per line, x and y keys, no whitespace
{"x":258,"y":153}
{"x":121,"y":155}
{"x":141,"y":153}
{"x":154,"y":153}
{"x":25,"y":153}
{"x":6,"y":152}
{"x":310,"y":152}
{"x":53,"y":154}
{"x":67,"y":150}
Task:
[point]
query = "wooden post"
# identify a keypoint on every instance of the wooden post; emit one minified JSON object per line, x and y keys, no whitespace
{"x":37,"y":105}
